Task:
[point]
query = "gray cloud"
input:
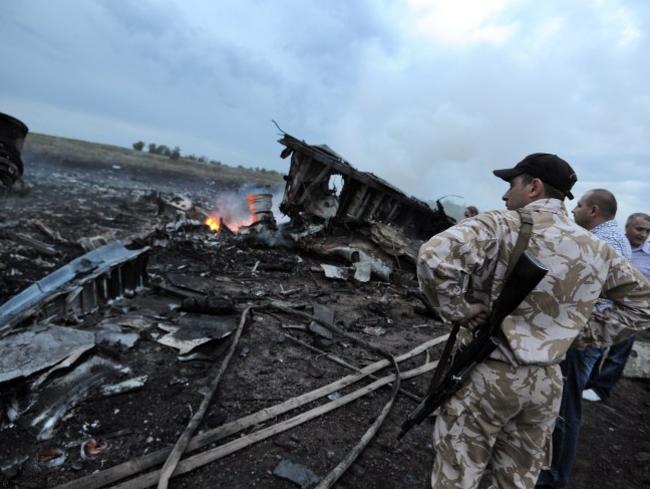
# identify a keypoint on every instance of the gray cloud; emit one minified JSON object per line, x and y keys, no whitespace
{"x":434,"y":112}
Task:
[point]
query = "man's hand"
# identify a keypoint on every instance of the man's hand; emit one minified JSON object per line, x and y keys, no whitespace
{"x":476,"y":315}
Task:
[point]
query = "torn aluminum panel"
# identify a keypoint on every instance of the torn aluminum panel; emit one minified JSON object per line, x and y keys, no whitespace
{"x":10,"y":468}
{"x":39,"y":348}
{"x":128,"y":385}
{"x":136,"y":322}
{"x":111,"y":335}
{"x":363,"y":263}
{"x":90,"y":243}
{"x":79,"y":287}
{"x":374,"y":330}
{"x":179,"y":202}
{"x":325,"y":314}
{"x":25,"y":240}
{"x":196,"y":330}
{"x":363,"y":198}
{"x":337,"y":273}
{"x":92,"y":377}
{"x":362,"y":271}
{"x":311,"y":230}
{"x":391,"y":241}
{"x":297,"y":473}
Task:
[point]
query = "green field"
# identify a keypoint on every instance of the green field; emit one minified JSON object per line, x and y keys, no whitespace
{"x":87,"y":154}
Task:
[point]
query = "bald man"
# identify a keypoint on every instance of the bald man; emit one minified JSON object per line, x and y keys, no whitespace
{"x":603,"y":379}
{"x":595,"y":211}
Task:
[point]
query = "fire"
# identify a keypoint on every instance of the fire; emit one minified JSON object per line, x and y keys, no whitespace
{"x":213,"y":222}
{"x":232,"y":212}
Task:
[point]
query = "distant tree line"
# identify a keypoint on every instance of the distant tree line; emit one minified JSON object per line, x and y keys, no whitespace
{"x":175,"y":154}
{"x":159,"y":149}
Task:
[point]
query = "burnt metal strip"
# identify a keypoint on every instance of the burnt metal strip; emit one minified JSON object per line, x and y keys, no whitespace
{"x":79,"y":287}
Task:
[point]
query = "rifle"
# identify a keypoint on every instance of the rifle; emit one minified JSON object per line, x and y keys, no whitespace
{"x":524,"y":277}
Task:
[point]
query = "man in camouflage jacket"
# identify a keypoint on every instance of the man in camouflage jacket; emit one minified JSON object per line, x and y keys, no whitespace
{"x":505,"y":413}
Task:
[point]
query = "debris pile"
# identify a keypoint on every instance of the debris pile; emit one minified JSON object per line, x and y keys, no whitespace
{"x":120,"y":307}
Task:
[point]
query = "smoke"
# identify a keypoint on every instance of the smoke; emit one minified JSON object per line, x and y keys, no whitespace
{"x":232,"y":206}
{"x":277,"y":191}
{"x":262,"y":235}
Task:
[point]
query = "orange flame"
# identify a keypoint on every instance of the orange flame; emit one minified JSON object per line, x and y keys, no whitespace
{"x":213,"y":222}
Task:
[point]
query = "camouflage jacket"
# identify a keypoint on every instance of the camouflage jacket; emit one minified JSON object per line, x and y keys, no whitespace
{"x":467,"y":263}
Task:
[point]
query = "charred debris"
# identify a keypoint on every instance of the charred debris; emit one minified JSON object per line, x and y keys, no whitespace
{"x":12,"y":139}
{"x":126,"y":310}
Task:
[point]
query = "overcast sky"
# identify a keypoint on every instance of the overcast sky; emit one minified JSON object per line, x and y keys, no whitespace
{"x":430,"y":95}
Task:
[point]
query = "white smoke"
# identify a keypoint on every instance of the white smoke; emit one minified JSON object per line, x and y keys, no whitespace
{"x":232,"y":206}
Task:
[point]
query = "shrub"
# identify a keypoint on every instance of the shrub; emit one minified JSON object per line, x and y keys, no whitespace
{"x":138,"y":145}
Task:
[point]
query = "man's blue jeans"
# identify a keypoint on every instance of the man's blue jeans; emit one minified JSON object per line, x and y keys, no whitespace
{"x":602,"y":381}
{"x":580,"y":369}
{"x":576,"y":370}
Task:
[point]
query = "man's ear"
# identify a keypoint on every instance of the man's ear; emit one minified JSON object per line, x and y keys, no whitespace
{"x":536,"y":188}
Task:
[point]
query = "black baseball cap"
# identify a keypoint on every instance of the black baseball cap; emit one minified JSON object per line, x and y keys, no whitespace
{"x":549,"y":168}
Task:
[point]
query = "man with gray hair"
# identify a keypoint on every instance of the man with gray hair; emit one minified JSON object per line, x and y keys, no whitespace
{"x":637,"y":230}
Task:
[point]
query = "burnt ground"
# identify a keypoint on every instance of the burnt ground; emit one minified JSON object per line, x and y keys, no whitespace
{"x":267,"y":367}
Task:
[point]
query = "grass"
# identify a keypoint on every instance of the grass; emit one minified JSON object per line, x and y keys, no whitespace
{"x":85,"y":153}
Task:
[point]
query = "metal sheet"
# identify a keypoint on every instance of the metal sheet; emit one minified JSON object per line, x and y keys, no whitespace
{"x":31,"y":351}
{"x":105,"y":267}
{"x":196,"y":330}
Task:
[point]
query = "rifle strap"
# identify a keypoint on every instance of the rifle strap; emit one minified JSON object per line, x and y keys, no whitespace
{"x":430,"y":403}
{"x":445,"y":357}
{"x":523,"y":238}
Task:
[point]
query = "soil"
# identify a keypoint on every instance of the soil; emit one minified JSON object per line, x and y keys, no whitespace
{"x":267,"y":367}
